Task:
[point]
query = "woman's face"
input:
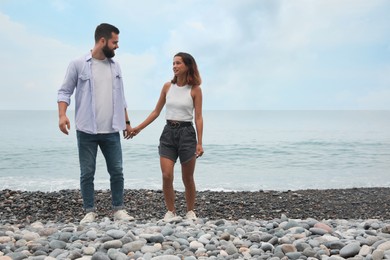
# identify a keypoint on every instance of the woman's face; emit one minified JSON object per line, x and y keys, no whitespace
{"x":179,"y":68}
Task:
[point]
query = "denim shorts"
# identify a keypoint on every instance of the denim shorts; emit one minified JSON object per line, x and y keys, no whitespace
{"x":178,"y":142}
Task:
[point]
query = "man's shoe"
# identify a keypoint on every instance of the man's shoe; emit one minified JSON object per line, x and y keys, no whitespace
{"x":191,"y":215}
{"x":171,"y":217}
{"x":122,"y":215}
{"x":88,"y":218}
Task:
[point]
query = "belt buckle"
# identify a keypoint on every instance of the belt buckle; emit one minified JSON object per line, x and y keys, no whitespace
{"x":176,"y":124}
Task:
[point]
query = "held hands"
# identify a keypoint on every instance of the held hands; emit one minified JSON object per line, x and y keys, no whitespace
{"x":64,"y":124}
{"x":127,"y":132}
{"x":135,"y":131}
{"x":131,"y":132}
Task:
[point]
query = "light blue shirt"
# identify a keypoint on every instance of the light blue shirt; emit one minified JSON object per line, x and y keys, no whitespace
{"x":79,"y":76}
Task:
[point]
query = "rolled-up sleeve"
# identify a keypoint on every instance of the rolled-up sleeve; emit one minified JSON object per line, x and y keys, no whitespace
{"x":69,"y":84}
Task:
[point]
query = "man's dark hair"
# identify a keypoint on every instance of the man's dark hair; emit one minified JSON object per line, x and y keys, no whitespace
{"x":105,"y":30}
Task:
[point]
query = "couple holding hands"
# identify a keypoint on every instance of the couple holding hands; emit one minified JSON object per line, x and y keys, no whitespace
{"x":101,"y":114}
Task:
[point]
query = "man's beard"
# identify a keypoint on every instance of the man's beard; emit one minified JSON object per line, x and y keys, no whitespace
{"x":108,"y":52}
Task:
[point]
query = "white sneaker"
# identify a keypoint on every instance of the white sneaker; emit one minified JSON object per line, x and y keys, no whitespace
{"x":171,"y":217}
{"x":191,"y":215}
{"x":88,"y":218}
{"x":122,"y":215}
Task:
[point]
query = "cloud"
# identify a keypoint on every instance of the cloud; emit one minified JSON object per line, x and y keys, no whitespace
{"x":140,"y":77}
{"x":251,"y":54}
{"x":32,"y":68}
{"x":59,"y":5}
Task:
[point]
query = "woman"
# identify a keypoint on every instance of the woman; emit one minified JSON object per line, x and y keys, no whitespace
{"x":182,"y":97}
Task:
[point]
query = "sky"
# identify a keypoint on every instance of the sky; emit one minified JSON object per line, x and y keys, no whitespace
{"x":252,"y":54}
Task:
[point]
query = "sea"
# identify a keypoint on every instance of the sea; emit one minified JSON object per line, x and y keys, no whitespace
{"x":244,"y":151}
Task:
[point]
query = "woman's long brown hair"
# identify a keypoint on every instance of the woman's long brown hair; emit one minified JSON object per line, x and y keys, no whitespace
{"x":193,"y":76}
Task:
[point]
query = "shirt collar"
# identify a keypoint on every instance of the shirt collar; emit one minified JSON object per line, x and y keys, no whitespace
{"x":88,"y":58}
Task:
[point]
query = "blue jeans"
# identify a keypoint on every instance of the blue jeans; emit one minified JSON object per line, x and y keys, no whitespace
{"x":110,"y":146}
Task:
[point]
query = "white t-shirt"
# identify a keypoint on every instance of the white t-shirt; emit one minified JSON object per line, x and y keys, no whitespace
{"x":102,"y":83}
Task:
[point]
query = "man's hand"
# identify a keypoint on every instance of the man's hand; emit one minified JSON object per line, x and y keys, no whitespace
{"x":64,"y":124}
{"x":127,"y":132}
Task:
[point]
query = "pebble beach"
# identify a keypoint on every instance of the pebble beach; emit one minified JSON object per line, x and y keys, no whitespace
{"x":303,"y":224}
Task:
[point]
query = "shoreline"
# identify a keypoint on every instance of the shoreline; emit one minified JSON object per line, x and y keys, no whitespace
{"x":65,"y":206}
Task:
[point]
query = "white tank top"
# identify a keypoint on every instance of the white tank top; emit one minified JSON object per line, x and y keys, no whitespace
{"x":179,"y":103}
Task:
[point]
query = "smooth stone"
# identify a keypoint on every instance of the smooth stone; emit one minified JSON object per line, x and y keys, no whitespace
{"x":225,"y":236}
{"x":45,"y":232}
{"x":56,"y":252}
{"x":57,"y":244}
{"x":183,"y":241}
{"x":31,"y":236}
{"x":335,"y":244}
{"x":4,"y":239}
{"x":156,"y":238}
{"x":65,"y":236}
{"x":195,"y":245}
{"x":330,"y":238}
{"x":115,"y":254}
{"x":240,"y":232}
{"x":89,"y":250}
{"x":350,"y":250}
{"x":266,"y":237}
{"x":223,"y":253}
{"x":112,"y":244}
{"x":133,"y":246}
{"x":289,"y":224}
{"x":386,"y":229}
{"x":293,"y":255}
{"x":100,"y":256}
{"x":255,"y":238}
{"x":309,"y":252}
{"x":167,"y":231}
{"x":170,"y":257}
{"x":318,"y":231}
{"x":17,"y":256}
{"x":267,"y":247}
{"x":288,"y":248}
{"x":255,"y":251}
{"x":37,"y":225}
{"x":116,"y":234}
{"x":297,"y":230}
{"x":384,"y":246}
{"x":210,"y":247}
{"x":323,"y":226}
{"x":75,"y":255}
{"x":150,"y":249}
{"x":203,"y":240}
{"x":365,"y":250}
{"x":91,"y":234}
{"x":378,"y":254}
{"x":301,"y":246}
{"x":231,"y":249}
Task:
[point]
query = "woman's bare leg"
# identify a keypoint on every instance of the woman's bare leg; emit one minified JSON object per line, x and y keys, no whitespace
{"x":187,"y":170}
{"x":167,"y":167}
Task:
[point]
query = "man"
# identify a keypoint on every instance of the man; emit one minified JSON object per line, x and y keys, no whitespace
{"x":99,"y":117}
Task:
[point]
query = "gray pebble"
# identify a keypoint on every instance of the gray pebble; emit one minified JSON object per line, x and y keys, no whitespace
{"x":350,"y":250}
{"x":116,"y":234}
{"x":100,"y":256}
{"x":57,"y":244}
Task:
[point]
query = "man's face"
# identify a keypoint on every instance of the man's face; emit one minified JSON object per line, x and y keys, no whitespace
{"x":111,"y":45}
